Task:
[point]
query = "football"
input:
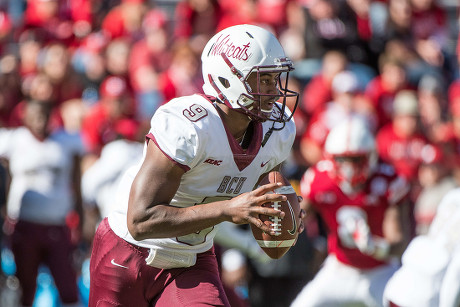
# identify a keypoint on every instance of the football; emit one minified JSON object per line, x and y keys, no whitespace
{"x":286,"y":229}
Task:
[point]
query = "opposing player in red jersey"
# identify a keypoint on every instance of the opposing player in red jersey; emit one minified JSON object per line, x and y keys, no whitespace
{"x":362,"y":203}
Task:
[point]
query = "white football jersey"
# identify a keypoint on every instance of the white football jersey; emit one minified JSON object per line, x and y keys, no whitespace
{"x":40,"y":189}
{"x":430,"y":264}
{"x":100,"y":182}
{"x":190,"y":132}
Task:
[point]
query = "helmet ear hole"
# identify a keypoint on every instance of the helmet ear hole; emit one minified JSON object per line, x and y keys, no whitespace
{"x":224,"y":82}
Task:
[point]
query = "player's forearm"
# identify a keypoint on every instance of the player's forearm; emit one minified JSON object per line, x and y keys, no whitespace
{"x":396,"y":229}
{"x":164,"y":221}
{"x":397,"y":249}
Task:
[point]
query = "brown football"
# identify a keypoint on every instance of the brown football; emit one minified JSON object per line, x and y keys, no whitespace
{"x":277,"y":245}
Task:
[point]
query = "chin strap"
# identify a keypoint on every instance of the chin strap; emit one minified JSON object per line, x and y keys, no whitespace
{"x":273,"y":128}
{"x":268,"y":134}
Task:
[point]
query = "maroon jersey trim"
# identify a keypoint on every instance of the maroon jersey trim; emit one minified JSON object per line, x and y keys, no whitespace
{"x":150,"y":136}
{"x":209,"y":98}
{"x":243,"y":157}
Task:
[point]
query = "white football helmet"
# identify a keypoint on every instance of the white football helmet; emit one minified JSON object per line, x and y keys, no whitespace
{"x":231,"y":56}
{"x":351,"y":147}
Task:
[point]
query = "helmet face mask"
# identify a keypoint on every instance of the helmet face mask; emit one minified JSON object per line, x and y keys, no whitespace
{"x":351,"y":148}
{"x":351,"y":171}
{"x":235,"y":62}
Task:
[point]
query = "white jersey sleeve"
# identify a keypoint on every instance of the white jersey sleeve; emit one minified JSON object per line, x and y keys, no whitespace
{"x":429,"y":273}
{"x":100,"y":181}
{"x":175,"y":131}
{"x":447,"y":220}
{"x":6,"y":139}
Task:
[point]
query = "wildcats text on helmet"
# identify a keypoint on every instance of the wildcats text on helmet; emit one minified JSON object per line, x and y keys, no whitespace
{"x":224,"y":45}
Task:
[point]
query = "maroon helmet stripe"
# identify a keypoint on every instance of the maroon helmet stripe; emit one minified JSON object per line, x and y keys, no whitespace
{"x":232,"y":67}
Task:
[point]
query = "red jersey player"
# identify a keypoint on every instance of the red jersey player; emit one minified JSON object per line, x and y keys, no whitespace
{"x":362,"y":203}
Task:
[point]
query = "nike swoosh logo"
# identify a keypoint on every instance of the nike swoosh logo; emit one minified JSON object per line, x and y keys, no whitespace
{"x":263,"y":164}
{"x":116,"y":264}
{"x":294,"y":221}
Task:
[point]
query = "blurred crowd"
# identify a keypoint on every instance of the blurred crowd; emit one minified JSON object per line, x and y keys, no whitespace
{"x":104,"y":67}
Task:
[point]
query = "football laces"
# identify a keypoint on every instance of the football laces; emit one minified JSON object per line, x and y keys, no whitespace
{"x":276,"y":221}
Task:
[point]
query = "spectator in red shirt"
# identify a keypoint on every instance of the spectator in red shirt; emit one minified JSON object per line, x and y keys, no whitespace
{"x":420,"y":25}
{"x":125,"y":20}
{"x":361,"y":10}
{"x":433,"y":109}
{"x":400,"y":142}
{"x":383,"y":88}
{"x":318,"y":90}
{"x":152,"y":51}
{"x":89,"y":63}
{"x":454,"y":88}
{"x":399,"y":21}
{"x":30,"y":42}
{"x":117,"y":57}
{"x":37,"y":88}
{"x":197,"y":21}
{"x":429,"y":27}
{"x":54,"y":81}
{"x":331,"y":25}
{"x":435,"y":178}
{"x":453,"y":145}
{"x":5,"y":31}
{"x":273,"y":13}
{"x":369,"y":18}
{"x":237,"y":12}
{"x":60,"y":20}
{"x":56,"y":66}
{"x":10,"y":83}
{"x":183,"y":75}
{"x":115,"y":104}
{"x":149,"y":57}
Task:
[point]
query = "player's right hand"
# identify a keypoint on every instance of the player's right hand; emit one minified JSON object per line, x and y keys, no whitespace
{"x":247,"y":207}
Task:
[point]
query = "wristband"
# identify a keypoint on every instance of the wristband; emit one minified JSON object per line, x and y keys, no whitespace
{"x":381,"y":248}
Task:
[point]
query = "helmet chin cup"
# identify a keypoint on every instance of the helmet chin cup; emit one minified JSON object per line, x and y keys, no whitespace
{"x":351,"y":176}
{"x":235,"y":53}
{"x":251,"y":107}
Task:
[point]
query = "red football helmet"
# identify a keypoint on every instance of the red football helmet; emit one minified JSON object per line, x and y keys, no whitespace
{"x":351,"y":147}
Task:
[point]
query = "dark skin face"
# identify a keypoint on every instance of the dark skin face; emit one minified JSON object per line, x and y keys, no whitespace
{"x":238,"y":122}
{"x":268,"y":85}
{"x":36,"y":118}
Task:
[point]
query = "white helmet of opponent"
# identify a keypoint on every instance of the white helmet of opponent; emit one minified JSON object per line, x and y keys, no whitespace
{"x":351,"y":147}
{"x":232,"y":55}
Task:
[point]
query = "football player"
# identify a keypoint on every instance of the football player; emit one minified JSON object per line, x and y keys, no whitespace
{"x":203,"y":156}
{"x":429,"y":276}
{"x":44,"y":165}
{"x":362,"y":202}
